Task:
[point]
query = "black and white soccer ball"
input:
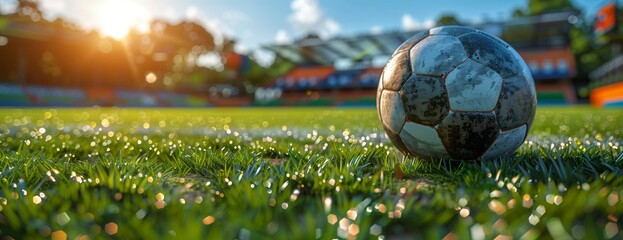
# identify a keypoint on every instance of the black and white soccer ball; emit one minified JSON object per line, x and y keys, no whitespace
{"x":455,"y":92}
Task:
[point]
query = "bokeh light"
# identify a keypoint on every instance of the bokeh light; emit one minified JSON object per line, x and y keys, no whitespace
{"x":151,"y":78}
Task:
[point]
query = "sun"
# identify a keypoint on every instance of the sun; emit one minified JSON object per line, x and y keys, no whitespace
{"x":115,"y":18}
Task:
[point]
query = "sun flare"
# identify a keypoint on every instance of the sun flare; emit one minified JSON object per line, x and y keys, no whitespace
{"x":117,"y":17}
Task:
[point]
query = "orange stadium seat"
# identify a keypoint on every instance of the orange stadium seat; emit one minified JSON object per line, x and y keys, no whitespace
{"x":303,"y":78}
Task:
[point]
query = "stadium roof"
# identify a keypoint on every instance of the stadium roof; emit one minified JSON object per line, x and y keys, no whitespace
{"x":316,"y":51}
{"x":542,"y":31}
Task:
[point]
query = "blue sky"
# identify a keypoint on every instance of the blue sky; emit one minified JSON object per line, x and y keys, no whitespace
{"x":257,"y":22}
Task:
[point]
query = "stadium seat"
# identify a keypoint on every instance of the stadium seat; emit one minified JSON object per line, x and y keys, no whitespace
{"x":340,"y":80}
{"x":369,"y":78}
{"x":303,"y":78}
{"x":56,"y":96}
{"x":131,"y":98}
{"x":13,"y":95}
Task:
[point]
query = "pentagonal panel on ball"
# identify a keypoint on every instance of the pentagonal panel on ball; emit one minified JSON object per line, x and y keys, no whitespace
{"x":451,"y":30}
{"x":392,"y":110}
{"x":437,"y":55}
{"x":485,"y":50}
{"x":517,"y":103}
{"x":424,"y":99}
{"x":407,"y":45}
{"x":423,"y":141}
{"x":467,"y":135}
{"x":396,"y":71}
{"x":506,"y":143}
{"x":473,"y":86}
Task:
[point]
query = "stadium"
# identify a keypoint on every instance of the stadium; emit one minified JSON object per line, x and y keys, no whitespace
{"x":162,"y":123}
{"x":339,"y":71}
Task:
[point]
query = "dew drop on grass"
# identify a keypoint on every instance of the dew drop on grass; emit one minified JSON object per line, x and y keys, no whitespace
{"x":60,"y":234}
{"x":160,"y":197}
{"x":380,"y":207}
{"x":351,"y":214}
{"x":540,"y":210}
{"x":462,"y":202}
{"x":327,"y":203}
{"x":613,"y":198}
{"x":208,"y":220}
{"x":464,"y":212}
{"x":141,"y":213}
{"x":111,"y":228}
{"x":62,"y":218}
{"x":160,"y":204}
{"x":353,"y":229}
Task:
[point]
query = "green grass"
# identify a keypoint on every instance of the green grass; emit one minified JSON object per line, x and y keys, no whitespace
{"x":296,"y":173}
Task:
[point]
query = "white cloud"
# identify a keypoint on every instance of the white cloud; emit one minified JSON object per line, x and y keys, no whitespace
{"x":376,"y":29}
{"x":210,"y":60}
{"x":282,"y":37}
{"x":192,"y":12}
{"x":429,"y":23}
{"x":7,"y":6}
{"x":477,"y":20}
{"x":218,"y":29}
{"x":307,"y":17}
{"x":264,"y":57}
{"x":331,"y":27}
{"x":170,"y":14}
{"x":241,"y":48}
{"x":51,"y":7}
{"x":306,"y":13}
{"x":409,"y":23}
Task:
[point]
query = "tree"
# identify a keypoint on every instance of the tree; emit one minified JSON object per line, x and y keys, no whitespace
{"x":589,"y":56}
{"x":519,"y":12}
{"x":536,"y":7}
{"x":29,"y":8}
{"x":447,"y":19}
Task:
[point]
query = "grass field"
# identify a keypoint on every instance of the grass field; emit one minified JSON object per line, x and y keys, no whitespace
{"x":300,"y":173}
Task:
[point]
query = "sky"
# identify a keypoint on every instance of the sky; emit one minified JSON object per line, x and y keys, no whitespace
{"x":254,"y":23}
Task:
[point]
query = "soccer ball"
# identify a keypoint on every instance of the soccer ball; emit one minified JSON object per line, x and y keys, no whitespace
{"x":455,"y":92}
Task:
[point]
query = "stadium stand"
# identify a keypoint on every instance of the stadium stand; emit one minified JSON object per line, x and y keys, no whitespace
{"x":552,"y":70}
{"x":606,"y":86}
{"x":339,"y":71}
{"x":100,"y":96}
{"x":340,"y":79}
{"x":369,"y":78}
{"x":542,"y":40}
{"x":56,"y":96}
{"x":550,"y":63}
{"x":13,"y":95}
{"x":130,"y":98}
{"x":303,"y":78}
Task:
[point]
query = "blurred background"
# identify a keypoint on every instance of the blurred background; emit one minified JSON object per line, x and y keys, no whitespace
{"x":191,"y":53}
